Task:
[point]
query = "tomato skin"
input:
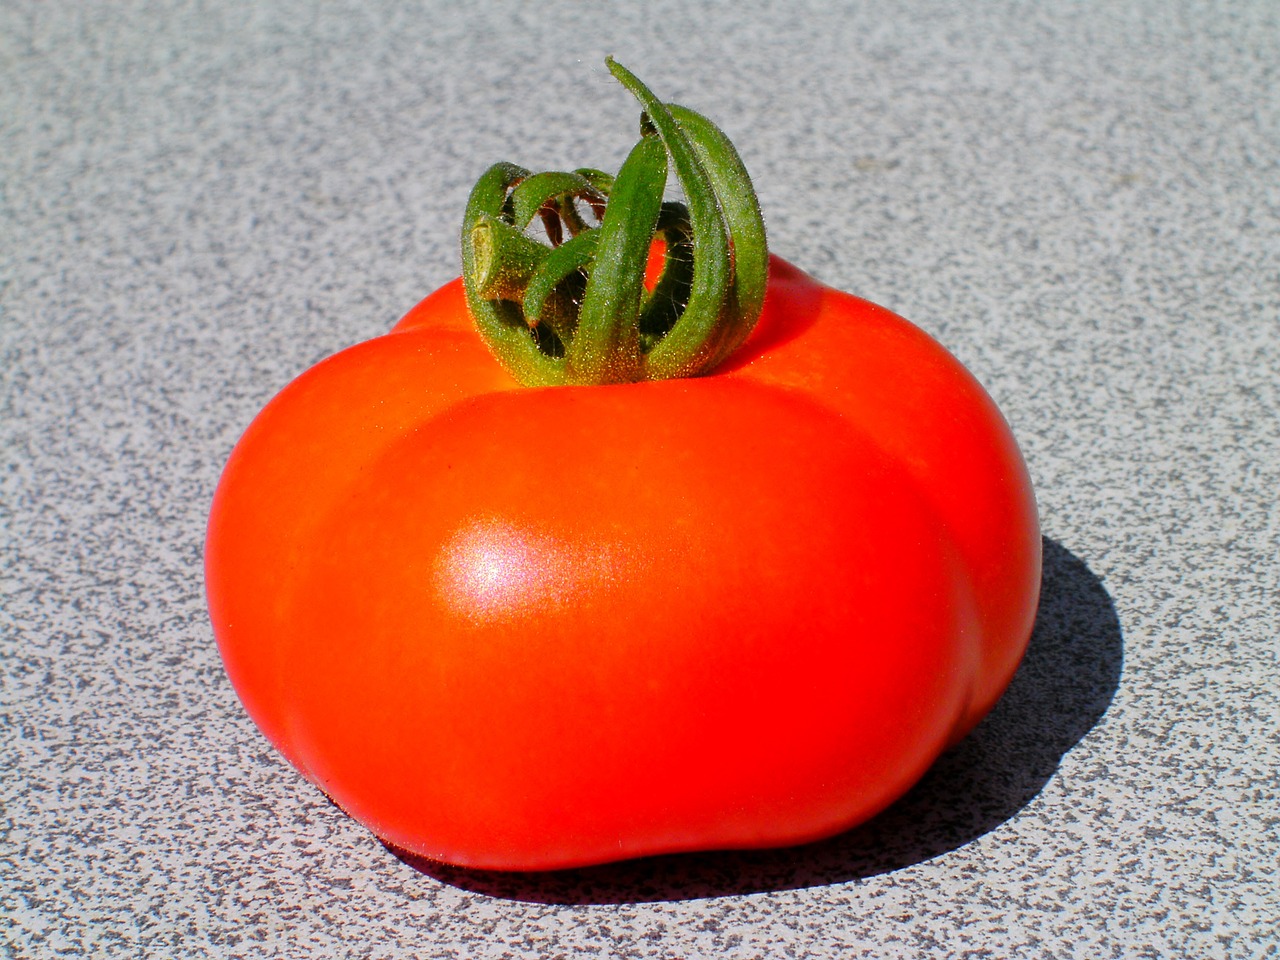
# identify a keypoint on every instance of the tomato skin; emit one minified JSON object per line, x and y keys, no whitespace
{"x":918,"y":403}
{"x":527,"y":629}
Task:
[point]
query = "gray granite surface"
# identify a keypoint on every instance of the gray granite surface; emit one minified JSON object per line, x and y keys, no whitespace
{"x":1080,"y":199}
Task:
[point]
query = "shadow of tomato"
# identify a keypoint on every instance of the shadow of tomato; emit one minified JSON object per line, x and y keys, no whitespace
{"x":1062,"y":689}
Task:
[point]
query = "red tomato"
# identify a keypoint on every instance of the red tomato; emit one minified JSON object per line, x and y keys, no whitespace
{"x":532,"y":628}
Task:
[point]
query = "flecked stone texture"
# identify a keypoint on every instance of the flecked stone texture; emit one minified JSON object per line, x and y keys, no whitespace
{"x":1080,"y":199}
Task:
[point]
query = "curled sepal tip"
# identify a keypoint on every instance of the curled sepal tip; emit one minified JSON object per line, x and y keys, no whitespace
{"x":577,"y":308}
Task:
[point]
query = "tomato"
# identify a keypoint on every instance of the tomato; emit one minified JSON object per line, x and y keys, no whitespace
{"x":534,"y":628}
{"x":517,"y":627}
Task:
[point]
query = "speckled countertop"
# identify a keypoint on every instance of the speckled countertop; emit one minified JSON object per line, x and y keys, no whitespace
{"x":1080,"y":199}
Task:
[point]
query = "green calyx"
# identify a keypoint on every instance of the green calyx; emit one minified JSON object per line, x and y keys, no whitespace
{"x":575,"y":309}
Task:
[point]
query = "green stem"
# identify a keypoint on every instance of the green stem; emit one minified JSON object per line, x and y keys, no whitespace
{"x":545,"y":300}
{"x":741,"y":210}
{"x":606,"y":346}
{"x":525,"y":296}
{"x":678,"y":354}
{"x":500,"y":322}
{"x":547,"y":190}
{"x":505,"y":259}
{"x":663,"y":308}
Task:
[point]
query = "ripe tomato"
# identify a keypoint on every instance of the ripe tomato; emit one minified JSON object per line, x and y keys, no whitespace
{"x":531,"y":628}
